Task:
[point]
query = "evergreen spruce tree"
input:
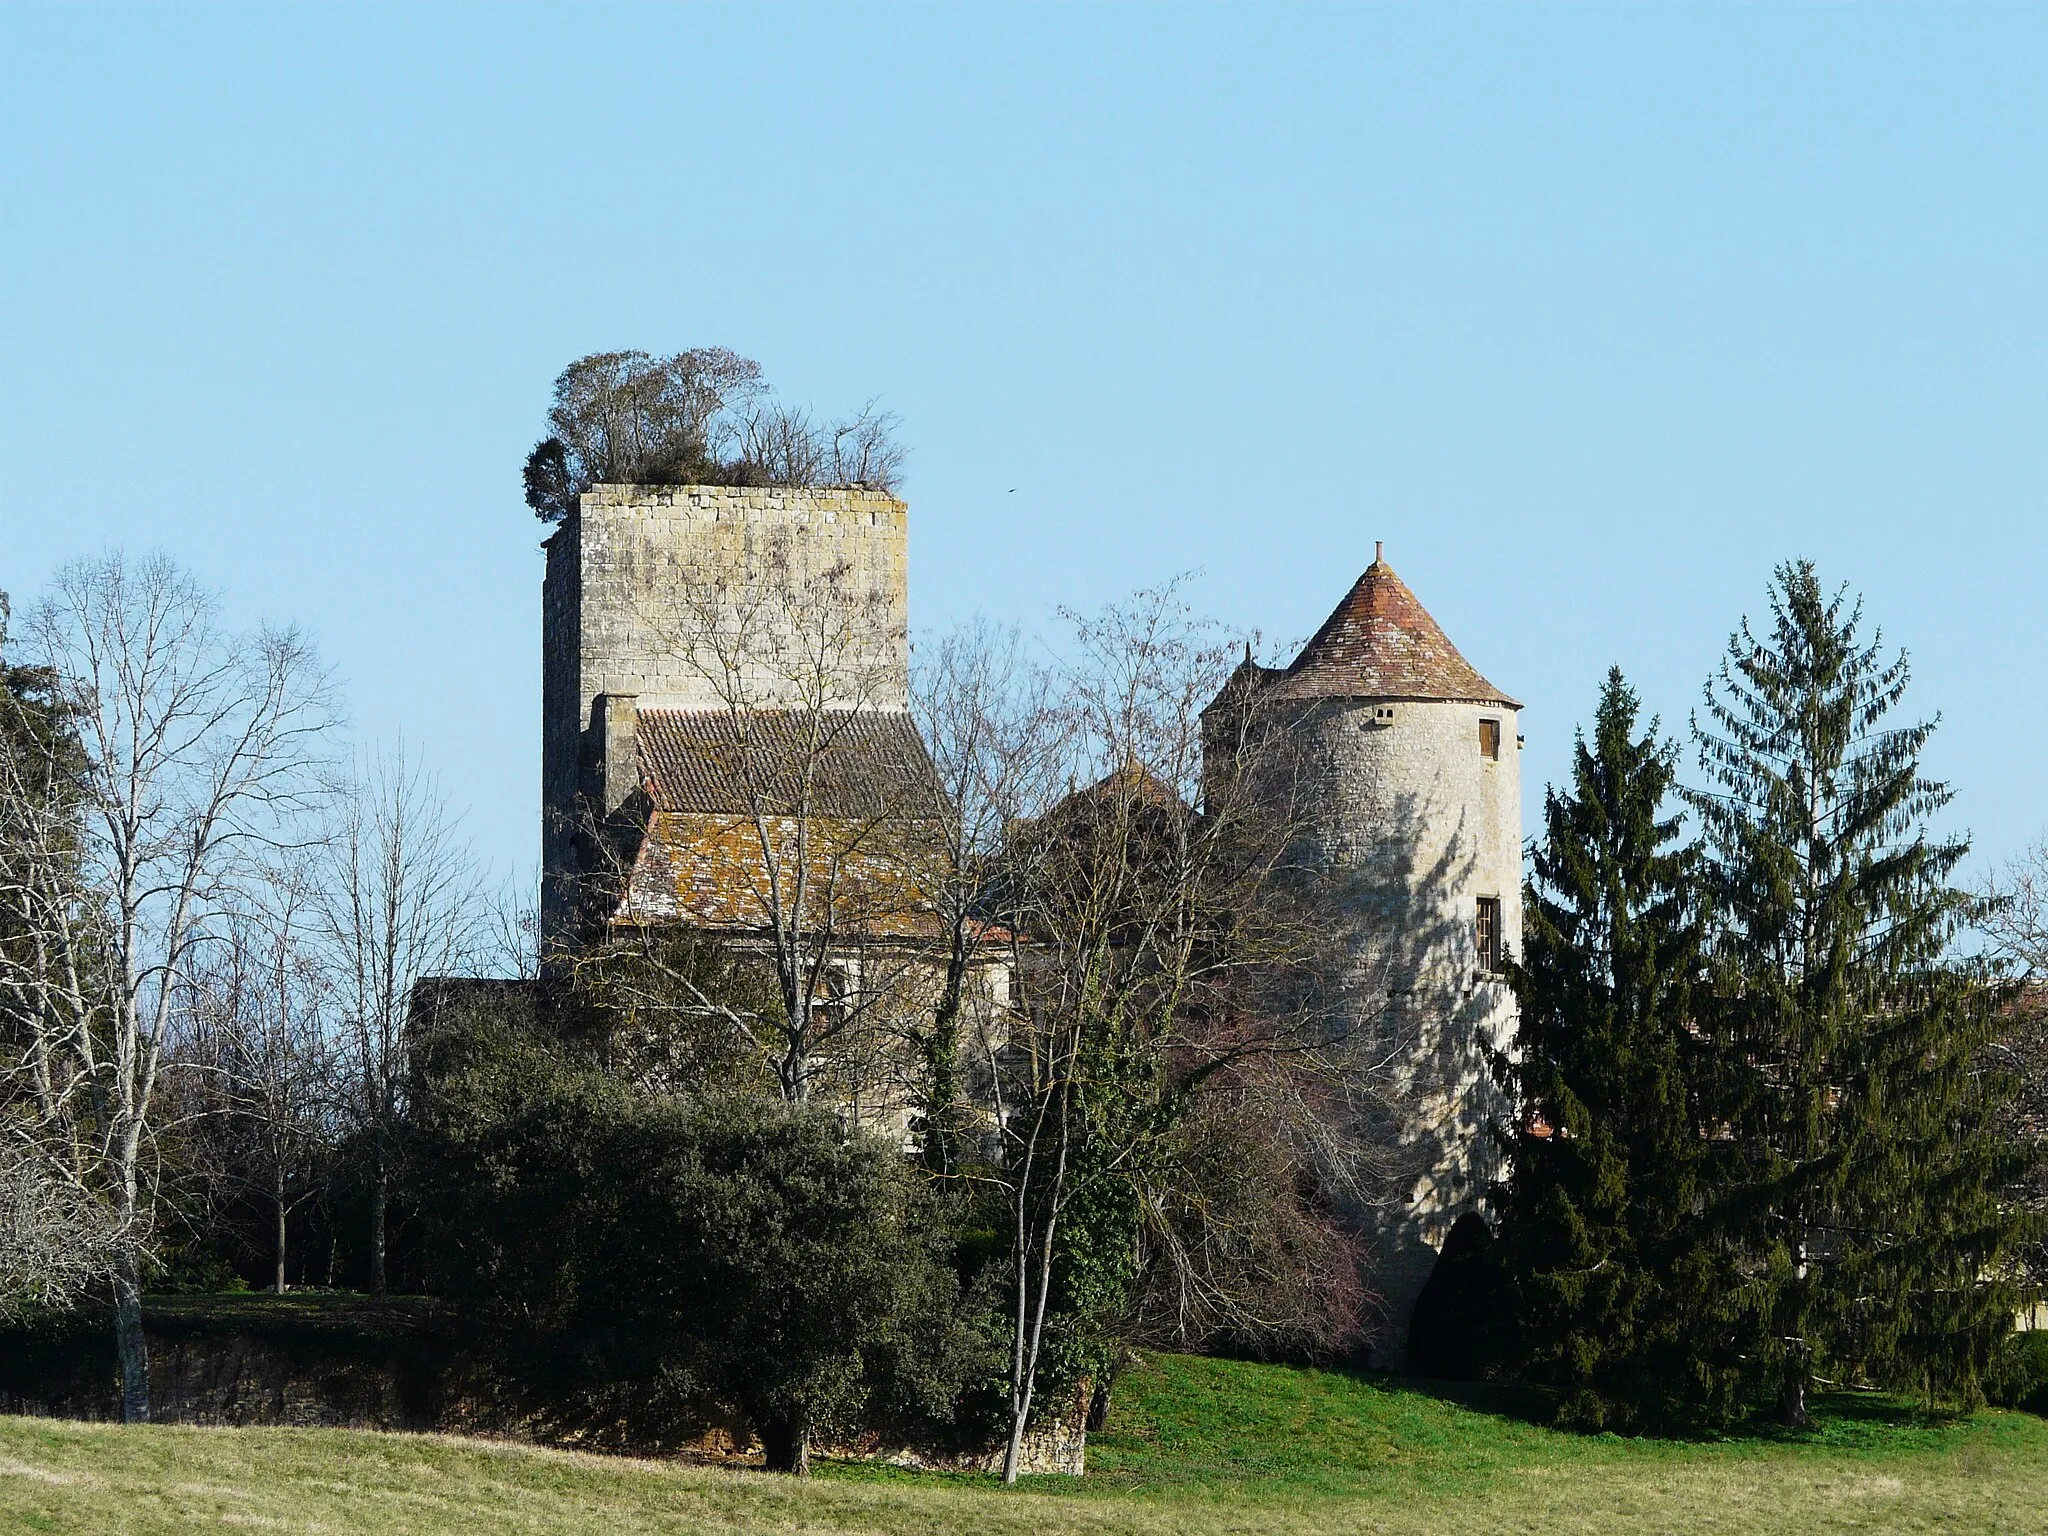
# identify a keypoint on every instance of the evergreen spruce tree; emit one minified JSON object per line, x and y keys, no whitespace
{"x":1614,"y":1284}
{"x":1865,"y":1188}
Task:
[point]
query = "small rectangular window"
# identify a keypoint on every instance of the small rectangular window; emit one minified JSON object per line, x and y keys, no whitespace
{"x":1489,"y":739}
{"x":1488,"y":934}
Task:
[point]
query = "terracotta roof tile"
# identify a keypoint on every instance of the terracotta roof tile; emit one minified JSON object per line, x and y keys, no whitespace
{"x":862,"y":764}
{"x":1381,"y":643}
{"x":858,"y":782}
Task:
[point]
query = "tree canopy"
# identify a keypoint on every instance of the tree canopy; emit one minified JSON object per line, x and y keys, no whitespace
{"x":1867,"y":1198}
{"x":699,"y":417}
{"x":1598,"y":1221}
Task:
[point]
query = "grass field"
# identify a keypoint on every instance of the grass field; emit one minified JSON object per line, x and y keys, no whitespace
{"x":1194,"y":1446}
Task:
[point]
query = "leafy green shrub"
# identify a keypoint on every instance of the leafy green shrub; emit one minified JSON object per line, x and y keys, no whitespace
{"x":2025,"y":1378}
{"x":761,"y":1255}
{"x":674,"y":1258}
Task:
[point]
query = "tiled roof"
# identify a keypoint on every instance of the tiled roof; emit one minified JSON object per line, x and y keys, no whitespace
{"x":1381,"y":643}
{"x":853,"y":764}
{"x":851,"y":794}
{"x":713,"y":871}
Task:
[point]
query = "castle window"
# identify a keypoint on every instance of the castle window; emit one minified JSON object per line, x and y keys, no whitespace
{"x":1489,"y":739}
{"x":830,"y":1012}
{"x":1488,"y":934}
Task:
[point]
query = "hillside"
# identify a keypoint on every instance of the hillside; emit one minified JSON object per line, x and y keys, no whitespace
{"x":1193,"y":1446}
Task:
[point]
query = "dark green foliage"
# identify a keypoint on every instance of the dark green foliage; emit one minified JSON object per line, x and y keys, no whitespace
{"x":756,"y":1252}
{"x":42,"y":768}
{"x":1849,"y":1042}
{"x":36,"y":723}
{"x":701,"y":417}
{"x":688,"y":1252}
{"x":2023,"y":1383}
{"x":1096,"y":1257}
{"x":1614,"y":1281}
{"x":1463,"y":1328}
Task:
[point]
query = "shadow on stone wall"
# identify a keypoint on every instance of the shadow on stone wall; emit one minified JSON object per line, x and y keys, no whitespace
{"x":1416,"y":1020}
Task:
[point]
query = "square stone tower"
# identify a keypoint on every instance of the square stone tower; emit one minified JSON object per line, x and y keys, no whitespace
{"x":697,"y":598}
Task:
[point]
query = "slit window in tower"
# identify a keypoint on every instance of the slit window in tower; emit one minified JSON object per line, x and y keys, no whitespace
{"x":1489,"y":740}
{"x":1488,"y":934}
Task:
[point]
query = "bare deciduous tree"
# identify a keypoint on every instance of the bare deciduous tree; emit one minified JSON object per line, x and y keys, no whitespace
{"x":998,"y":748}
{"x":399,"y":897}
{"x":198,"y":744}
{"x":56,"y":1237}
{"x":2015,"y":921}
{"x":820,"y":818}
{"x":1170,"y":971}
{"x":257,"y":1046}
{"x":703,"y":416}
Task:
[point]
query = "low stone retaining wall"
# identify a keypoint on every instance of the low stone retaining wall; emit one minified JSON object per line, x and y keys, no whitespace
{"x":402,"y":1364}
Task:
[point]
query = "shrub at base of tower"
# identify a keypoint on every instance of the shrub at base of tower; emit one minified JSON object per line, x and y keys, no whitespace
{"x":1868,"y":1178}
{"x":757,"y":1252}
{"x":1614,"y":1284}
{"x":674,"y":1256}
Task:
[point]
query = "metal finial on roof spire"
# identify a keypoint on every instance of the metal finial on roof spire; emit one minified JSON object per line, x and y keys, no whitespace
{"x":1247,"y":653}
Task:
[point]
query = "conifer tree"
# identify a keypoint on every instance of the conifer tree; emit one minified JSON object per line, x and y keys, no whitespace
{"x":1865,"y":1190}
{"x":1613,"y":1282}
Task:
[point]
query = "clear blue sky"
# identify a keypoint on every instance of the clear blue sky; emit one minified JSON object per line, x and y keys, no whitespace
{"x":1592,"y":313}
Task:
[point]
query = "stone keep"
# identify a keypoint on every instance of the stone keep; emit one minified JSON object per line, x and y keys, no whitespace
{"x":1406,"y":788}
{"x":703,"y":597}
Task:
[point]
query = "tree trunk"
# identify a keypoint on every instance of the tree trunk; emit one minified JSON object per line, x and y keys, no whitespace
{"x":1098,"y":1405}
{"x":278,"y":1201}
{"x":1024,"y":1367}
{"x":129,"y":1344}
{"x":379,"y":1196}
{"x":1792,"y":1395}
{"x":785,"y":1445}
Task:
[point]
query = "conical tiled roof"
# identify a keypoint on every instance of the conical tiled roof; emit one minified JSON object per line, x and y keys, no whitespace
{"x":1381,"y":643}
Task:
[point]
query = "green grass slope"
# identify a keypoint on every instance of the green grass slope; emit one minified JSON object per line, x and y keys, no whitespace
{"x":1194,"y":1446}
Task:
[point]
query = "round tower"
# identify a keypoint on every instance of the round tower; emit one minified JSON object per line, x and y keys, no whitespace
{"x":1405,"y":784}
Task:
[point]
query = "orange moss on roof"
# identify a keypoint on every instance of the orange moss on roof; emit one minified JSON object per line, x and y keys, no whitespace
{"x":718,"y":872}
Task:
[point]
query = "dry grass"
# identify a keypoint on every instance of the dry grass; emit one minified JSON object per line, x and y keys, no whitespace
{"x":1197,"y":1447}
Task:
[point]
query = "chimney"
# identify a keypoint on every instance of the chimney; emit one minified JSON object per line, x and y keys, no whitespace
{"x":1379,"y":552}
{"x":620,"y":770}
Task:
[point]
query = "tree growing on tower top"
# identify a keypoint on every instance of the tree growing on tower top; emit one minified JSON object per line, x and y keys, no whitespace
{"x":700,"y":417}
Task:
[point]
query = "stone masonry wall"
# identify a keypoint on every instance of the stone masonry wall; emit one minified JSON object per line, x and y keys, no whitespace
{"x":687,"y":597}
{"x":1420,"y":825}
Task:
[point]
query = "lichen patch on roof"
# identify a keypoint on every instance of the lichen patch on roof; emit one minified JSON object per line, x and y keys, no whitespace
{"x":734,"y":874}
{"x":828,"y":817}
